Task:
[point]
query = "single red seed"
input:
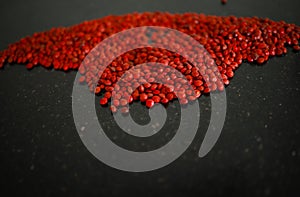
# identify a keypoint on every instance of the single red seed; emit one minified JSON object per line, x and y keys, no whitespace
{"x":141,"y":88}
{"x":164,"y":100}
{"x":260,"y":60}
{"x":156,"y":92}
{"x":123,"y":102}
{"x":97,"y":90}
{"x":170,"y":96}
{"x":107,"y":95}
{"x":156,"y":99}
{"x":296,"y":48}
{"x":143,"y":97}
{"x":103,"y":101}
{"x":147,"y":85}
{"x":183,"y":101}
{"x":198,"y":82}
{"x":116,"y":102}
{"x":130,"y":100}
{"x":113,"y":109}
{"x":230,"y":73}
{"x":149,"y":103}
{"x":29,"y":66}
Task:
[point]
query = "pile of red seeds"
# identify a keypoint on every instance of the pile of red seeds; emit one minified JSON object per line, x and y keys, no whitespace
{"x":228,"y":40}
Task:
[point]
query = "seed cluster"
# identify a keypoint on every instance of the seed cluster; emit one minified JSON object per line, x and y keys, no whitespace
{"x":229,"y":41}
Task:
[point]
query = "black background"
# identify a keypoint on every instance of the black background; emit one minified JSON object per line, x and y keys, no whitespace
{"x":257,"y":154}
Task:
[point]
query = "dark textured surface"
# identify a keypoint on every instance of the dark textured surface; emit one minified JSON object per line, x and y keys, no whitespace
{"x":257,"y":154}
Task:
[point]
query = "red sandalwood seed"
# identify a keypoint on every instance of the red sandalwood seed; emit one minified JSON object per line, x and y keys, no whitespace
{"x":123,"y":102}
{"x":97,"y":90}
{"x":183,"y":101}
{"x":296,"y":48}
{"x":156,"y":99}
{"x":130,"y":100}
{"x":103,"y":101}
{"x":116,"y":102}
{"x":260,"y":60}
{"x":149,"y":103}
{"x":113,"y":109}
{"x":143,"y":97}
{"x":164,"y":100}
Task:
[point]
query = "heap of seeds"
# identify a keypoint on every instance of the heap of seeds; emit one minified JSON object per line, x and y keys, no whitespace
{"x":228,"y":40}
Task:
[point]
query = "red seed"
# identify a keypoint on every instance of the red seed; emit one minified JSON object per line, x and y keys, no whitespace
{"x":170,"y":96}
{"x":141,"y":88}
{"x":29,"y":66}
{"x":230,"y":73}
{"x":103,"y":101}
{"x":156,"y":99}
{"x":164,"y":100}
{"x":116,"y":102}
{"x":198,"y":82}
{"x":149,"y":103}
{"x":107,"y":95}
{"x":143,"y":97}
{"x":296,"y":48}
{"x":260,"y":60}
{"x":147,"y":85}
{"x":123,"y":102}
{"x":156,"y":92}
{"x":97,"y":90}
{"x":183,"y":101}
{"x":130,"y":100}
{"x":113,"y":109}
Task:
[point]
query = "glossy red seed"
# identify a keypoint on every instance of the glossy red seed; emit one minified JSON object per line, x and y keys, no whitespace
{"x":156,"y":99}
{"x":143,"y":97}
{"x":230,"y":73}
{"x":164,"y":100}
{"x":198,"y":82}
{"x":141,"y":88}
{"x":97,"y":90}
{"x":130,"y":100}
{"x":149,"y":103}
{"x":103,"y":101}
